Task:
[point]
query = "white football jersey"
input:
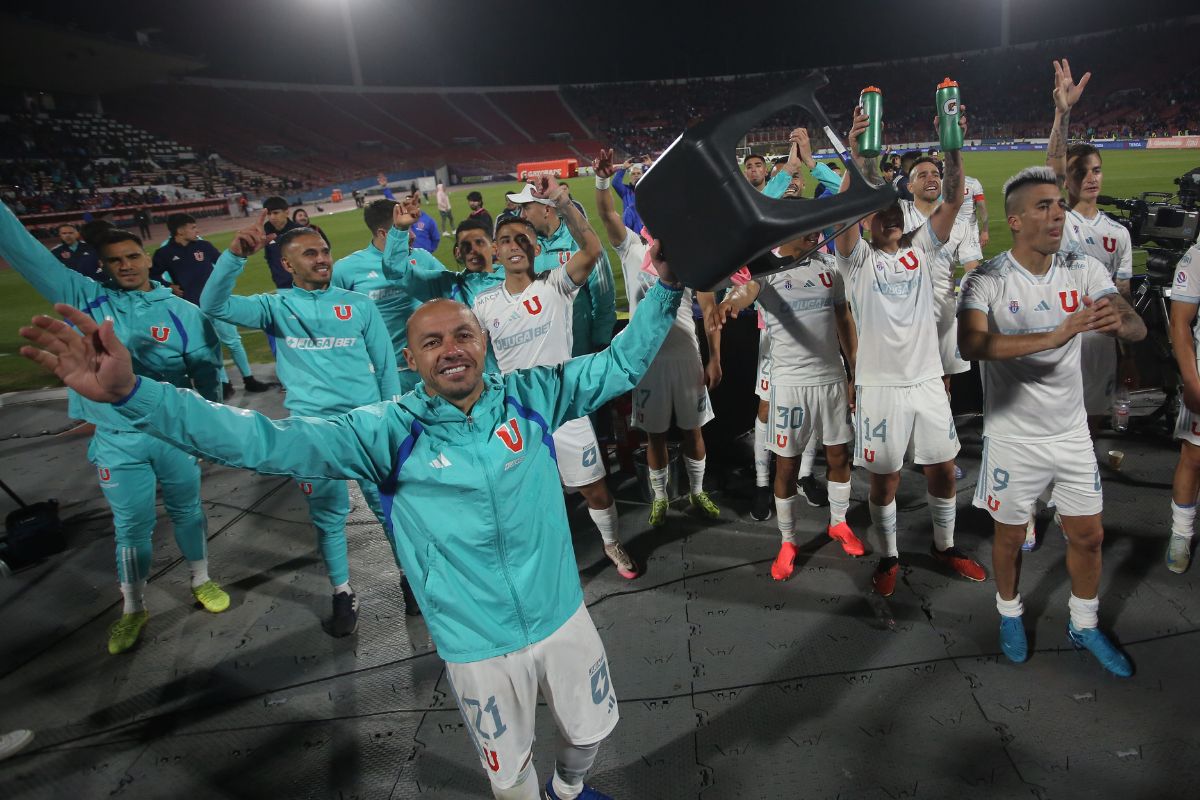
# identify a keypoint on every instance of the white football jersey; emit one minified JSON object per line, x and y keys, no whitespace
{"x":1186,"y":288}
{"x":942,"y":259}
{"x":532,"y":329}
{"x":913,"y":218}
{"x":797,"y":305}
{"x":1037,"y":397}
{"x":972,"y":189}
{"x":893,"y":302}
{"x":1102,"y":238}
{"x":681,"y":338}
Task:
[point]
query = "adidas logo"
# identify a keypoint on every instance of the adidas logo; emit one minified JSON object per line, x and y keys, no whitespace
{"x":441,"y":462}
{"x":1042,"y":306}
{"x":174,"y":258}
{"x":372,"y":274}
{"x":809,"y":284}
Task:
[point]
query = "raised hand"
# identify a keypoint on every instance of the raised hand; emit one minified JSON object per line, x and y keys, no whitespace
{"x":548,"y":188}
{"x":857,"y":126}
{"x":604,"y":164}
{"x":92,"y":360}
{"x":1066,"y":91}
{"x":406,"y":213}
{"x":250,"y":239}
{"x":801,"y":148}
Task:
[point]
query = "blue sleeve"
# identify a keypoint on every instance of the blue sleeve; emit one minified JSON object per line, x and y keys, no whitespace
{"x":583,"y":384}
{"x":219,"y":302}
{"x":159,"y":266}
{"x":52,"y":280}
{"x":436,"y":237}
{"x":383,"y":355}
{"x":602,"y":289}
{"x":777,"y":185}
{"x":827,"y":178}
{"x":360,"y":444}
{"x":387,"y":193}
{"x":620,"y":187}
{"x":203,"y":356}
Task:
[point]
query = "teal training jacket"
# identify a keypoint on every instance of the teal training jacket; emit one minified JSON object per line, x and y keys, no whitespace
{"x":475,"y":498}
{"x":332,"y":350}
{"x":421,"y":277}
{"x":168,"y":338}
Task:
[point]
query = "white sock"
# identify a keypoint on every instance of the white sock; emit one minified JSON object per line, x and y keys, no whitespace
{"x":658,"y":483}
{"x":942,"y":511}
{"x":695,"y":473}
{"x":783,"y":513}
{"x":134,"y":601}
{"x":343,"y":588}
{"x":1183,"y":520}
{"x":1010,"y":608}
{"x":884,"y":519}
{"x":199,"y":572}
{"x":762,"y":456}
{"x":1084,"y":613}
{"x":839,"y":502}
{"x":606,"y":521}
{"x":807,"y":458}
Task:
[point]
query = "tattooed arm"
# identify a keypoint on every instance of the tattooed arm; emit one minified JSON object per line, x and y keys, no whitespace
{"x":1066,"y":94}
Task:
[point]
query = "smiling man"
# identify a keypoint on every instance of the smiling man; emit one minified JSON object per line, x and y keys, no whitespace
{"x":169,"y":339}
{"x":333,"y":354}
{"x":467,"y":464}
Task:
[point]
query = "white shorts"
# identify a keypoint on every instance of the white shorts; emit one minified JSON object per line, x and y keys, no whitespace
{"x":887,"y":419}
{"x":498,"y":696}
{"x":1013,"y":474}
{"x":763,"y":387}
{"x":947,"y":325}
{"x":578,"y":453}
{"x":964,"y":240}
{"x":1187,"y":425}
{"x":672,"y":386}
{"x":800,"y":414}
{"x":1098,"y":360}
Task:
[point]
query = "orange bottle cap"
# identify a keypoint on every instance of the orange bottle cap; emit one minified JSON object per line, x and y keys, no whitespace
{"x":874,"y":89}
{"x":947,"y":83}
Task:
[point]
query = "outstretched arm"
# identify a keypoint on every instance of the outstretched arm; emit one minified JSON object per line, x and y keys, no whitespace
{"x":849,"y":238}
{"x":218,"y":300}
{"x":579,"y":267}
{"x":1066,"y":94}
{"x":52,"y":280}
{"x":614,"y":226}
{"x":941,"y":222}
{"x":93,"y":362}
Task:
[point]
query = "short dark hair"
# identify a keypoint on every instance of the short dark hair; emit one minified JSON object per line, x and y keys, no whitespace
{"x":275,"y":203}
{"x":1078,"y":151}
{"x":933,"y":150}
{"x":752,"y":155}
{"x":298,"y":210}
{"x":93,"y":231}
{"x":909,"y":156}
{"x":1030,"y":176}
{"x":294,"y":234}
{"x":62,"y":225}
{"x":474,"y":196}
{"x":833,"y":164}
{"x":112,"y":235}
{"x":378,"y":214}
{"x":177,"y":221}
{"x":923,"y":160}
{"x":513,"y":219}
{"x":471,"y":224}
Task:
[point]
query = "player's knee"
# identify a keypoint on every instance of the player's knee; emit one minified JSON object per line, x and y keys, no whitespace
{"x":837,"y":456}
{"x":1087,"y":537}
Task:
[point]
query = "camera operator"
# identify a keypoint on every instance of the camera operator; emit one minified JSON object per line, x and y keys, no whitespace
{"x":1185,"y":297}
{"x":1090,"y":231}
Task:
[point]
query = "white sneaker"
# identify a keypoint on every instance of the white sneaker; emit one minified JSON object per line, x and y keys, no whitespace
{"x":14,"y":742}
{"x":621,"y":560}
{"x":1179,"y":554}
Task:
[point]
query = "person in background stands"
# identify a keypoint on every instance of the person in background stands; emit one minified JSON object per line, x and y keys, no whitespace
{"x":77,"y":254}
{"x":444,"y":211}
{"x":478,"y":212}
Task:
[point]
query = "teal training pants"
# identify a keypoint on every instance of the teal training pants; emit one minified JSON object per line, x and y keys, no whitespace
{"x":328,"y":507}
{"x":227,"y":332}
{"x":129,"y":466}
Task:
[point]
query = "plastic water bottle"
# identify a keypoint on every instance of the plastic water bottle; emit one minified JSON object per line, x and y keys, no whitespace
{"x":1120,"y":419}
{"x":870,"y":141}
{"x":950,"y":136}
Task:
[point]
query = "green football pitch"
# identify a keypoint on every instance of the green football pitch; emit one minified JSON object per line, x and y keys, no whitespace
{"x":1126,"y":174}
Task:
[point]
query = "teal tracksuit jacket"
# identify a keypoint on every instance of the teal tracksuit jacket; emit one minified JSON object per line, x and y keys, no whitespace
{"x":474,"y":499}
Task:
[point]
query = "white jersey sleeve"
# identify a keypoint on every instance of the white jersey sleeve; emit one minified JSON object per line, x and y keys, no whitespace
{"x":980,"y":291}
{"x":972,"y":189}
{"x":1186,"y":288}
{"x":1124,"y":257}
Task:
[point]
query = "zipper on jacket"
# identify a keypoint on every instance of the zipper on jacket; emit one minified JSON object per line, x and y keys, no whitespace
{"x":503,"y":551}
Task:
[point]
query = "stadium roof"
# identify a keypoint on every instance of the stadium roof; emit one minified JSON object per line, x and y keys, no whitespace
{"x":41,"y":57}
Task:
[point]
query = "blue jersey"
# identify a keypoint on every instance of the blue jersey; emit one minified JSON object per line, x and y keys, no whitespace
{"x":168,"y":338}
{"x":332,"y":349}
{"x":189,"y":266}
{"x":594,"y":313}
{"x":425,"y":233}
{"x":631,"y":217}
{"x":83,"y":258}
{"x":477,"y":516}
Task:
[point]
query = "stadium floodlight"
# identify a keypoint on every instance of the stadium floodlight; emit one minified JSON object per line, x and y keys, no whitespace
{"x":711,"y":221}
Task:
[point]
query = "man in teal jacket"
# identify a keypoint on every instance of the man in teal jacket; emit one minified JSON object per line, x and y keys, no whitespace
{"x":332,"y":354}
{"x":169,"y":340}
{"x":595,"y":308}
{"x":470,"y":484}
